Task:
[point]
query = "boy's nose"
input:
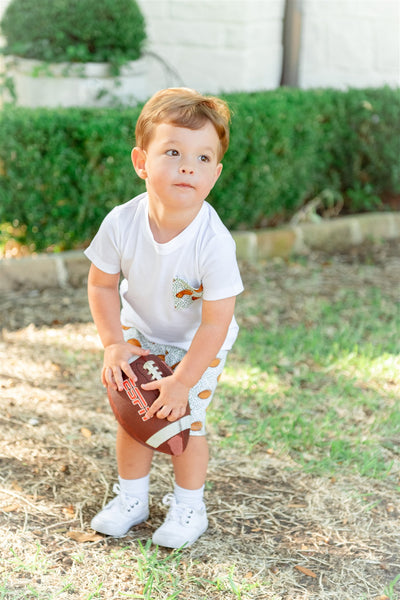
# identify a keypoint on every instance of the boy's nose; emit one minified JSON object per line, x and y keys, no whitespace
{"x":186,"y":169}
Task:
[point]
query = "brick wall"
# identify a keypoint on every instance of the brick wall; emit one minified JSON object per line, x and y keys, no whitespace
{"x":350,"y":43}
{"x":216,"y":45}
{"x":230,"y":45}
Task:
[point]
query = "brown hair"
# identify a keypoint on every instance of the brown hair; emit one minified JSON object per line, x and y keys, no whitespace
{"x":183,"y":107}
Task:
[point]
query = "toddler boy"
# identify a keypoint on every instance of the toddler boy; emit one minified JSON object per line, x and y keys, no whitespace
{"x":180,"y":282}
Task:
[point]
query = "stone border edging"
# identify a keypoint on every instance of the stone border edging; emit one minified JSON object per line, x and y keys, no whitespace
{"x":71,"y":268}
{"x":328,"y":234}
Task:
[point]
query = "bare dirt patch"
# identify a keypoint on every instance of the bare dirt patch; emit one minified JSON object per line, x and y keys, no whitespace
{"x":275,"y":532}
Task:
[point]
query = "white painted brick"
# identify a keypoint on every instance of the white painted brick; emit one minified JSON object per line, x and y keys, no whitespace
{"x":223,"y":67}
{"x":387,"y":47}
{"x":314,"y":46}
{"x":235,"y":35}
{"x":350,"y":43}
{"x":264,"y":35}
{"x":227,"y":45}
{"x":229,"y":71}
{"x":197,"y":33}
{"x":350,"y":52}
{"x":264,"y":10}
{"x":228,"y":11}
{"x":217,"y":45}
{"x":154,"y":9}
{"x":254,"y":34}
{"x":334,"y":8}
{"x":215,"y":10}
{"x":263,"y":75}
{"x":372,"y":9}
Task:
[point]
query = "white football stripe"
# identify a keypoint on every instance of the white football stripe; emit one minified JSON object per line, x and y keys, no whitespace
{"x":169,"y":431}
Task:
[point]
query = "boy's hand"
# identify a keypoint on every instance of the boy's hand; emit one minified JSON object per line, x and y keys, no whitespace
{"x":172,"y":401}
{"x":116,"y":362}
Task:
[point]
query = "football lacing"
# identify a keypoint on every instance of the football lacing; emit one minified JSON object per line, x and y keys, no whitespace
{"x":152,"y":369}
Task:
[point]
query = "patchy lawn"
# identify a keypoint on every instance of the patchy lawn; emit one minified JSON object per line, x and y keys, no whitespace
{"x":304,"y":477}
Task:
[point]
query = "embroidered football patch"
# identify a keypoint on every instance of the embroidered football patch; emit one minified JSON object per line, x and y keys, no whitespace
{"x":184,"y":294}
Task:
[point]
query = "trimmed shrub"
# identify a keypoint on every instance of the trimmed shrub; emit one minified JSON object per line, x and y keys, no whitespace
{"x":74,"y":30}
{"x":272,"y":163}
{"x":62,"y":170}
{"x":290,"y":146}
{"x":360,"y":145}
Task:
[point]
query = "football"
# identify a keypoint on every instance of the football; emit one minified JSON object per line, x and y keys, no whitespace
{"x":131,"y":406}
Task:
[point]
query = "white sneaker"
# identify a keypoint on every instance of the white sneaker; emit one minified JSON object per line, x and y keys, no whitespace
{"x":119,"y":515}
{"x":183,"y":524}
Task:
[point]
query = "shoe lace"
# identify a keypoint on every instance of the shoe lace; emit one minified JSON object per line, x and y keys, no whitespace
{"x":127,"y":502}
{"x":181,"y":513}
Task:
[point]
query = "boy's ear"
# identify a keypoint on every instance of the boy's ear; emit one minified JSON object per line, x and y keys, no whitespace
{"x":138,"y":156}
{"x":218,"y":172}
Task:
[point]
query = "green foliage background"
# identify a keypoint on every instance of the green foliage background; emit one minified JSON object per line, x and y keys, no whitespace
{"x":62,"y":170}
{"x":74,"y":30}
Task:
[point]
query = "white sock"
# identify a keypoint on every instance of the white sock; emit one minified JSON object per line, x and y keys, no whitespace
{"x":136,"y":488}
{"x":193,"y":498}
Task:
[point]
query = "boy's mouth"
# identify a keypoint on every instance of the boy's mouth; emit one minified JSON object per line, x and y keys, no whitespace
{"x":184,"y":185}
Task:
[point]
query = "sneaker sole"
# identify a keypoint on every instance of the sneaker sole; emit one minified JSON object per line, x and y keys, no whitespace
{"x":186,"y":544}
{"x":106,"y":531}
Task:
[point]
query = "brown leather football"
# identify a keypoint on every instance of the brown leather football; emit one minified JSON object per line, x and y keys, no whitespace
{"x":131,"y":405}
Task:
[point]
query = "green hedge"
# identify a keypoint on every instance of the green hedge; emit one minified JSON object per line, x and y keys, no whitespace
{"x":62,"y":170}
{"x":74,"y":30}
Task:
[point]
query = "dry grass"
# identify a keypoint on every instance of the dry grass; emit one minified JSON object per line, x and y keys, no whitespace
{"x":276,"y":533}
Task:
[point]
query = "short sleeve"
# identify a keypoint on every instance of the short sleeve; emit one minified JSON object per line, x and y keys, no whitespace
{"x":219,"y":269}
{"x":104,"y":250}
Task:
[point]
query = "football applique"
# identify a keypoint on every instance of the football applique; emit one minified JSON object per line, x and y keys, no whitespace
{"x":131,"y":406}
{"x":184,"y":294}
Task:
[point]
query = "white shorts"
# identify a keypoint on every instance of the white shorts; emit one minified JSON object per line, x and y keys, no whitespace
{"x":202,"y":393}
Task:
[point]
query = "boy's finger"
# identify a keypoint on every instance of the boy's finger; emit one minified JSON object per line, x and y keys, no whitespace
{"x":151,"y":385}
{"x":175,"y":414}
{"x":118,"y":379}
{"x":108,"y":378}
{"x":154,"y":408}
{"x":128,"y":371}
{"x":140,"y":351}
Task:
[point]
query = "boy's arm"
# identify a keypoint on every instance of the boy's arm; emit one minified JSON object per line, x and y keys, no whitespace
{"x":104,"y":304}
{"x":174,"y":390}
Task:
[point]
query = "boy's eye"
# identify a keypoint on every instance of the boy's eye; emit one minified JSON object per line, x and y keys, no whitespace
{"x":172,"y":152}
{"x":204,"y":158}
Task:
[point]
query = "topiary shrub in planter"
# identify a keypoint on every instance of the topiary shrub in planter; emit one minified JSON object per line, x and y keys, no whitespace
{"x":60,"y":43}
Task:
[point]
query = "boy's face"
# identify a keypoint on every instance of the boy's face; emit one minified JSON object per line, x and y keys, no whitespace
{"x":180,"y":165}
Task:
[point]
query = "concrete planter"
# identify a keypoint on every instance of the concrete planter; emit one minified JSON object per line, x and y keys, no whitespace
{"x":76,"y":84}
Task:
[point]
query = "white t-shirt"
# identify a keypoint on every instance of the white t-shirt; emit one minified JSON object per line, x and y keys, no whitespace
{"x":164,"y":284}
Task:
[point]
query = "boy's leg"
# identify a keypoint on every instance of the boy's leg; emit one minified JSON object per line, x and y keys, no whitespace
{"x":187,"y":520}
{"x":130,"y":505}
{"x":133,"y":459}
{"x":190,"y":468}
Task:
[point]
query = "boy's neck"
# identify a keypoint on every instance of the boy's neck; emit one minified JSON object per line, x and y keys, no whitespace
{"x":165,"y":226}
